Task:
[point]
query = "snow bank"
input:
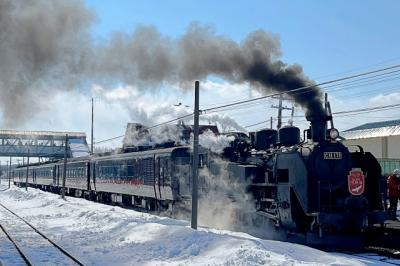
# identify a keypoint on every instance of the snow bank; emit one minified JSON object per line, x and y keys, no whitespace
{"x":105,"y":235}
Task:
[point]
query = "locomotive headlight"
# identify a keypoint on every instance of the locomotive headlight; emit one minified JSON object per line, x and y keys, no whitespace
{"x":333,"y":133}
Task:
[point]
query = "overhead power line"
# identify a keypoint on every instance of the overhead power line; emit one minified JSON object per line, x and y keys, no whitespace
{"x":346,"y":113}
{"x":300,"y":89}
{"x":213,"y":109}
{"x":360,"y":68}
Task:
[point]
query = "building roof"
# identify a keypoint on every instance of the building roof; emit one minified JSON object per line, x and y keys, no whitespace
{"x":373,"y":130}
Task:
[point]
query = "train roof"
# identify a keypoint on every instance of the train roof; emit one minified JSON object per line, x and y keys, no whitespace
{"x":113,"y":156}
{"x":140,"y":153}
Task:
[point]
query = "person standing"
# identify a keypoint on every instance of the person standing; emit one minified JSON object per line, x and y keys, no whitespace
{"x":393,"y":192}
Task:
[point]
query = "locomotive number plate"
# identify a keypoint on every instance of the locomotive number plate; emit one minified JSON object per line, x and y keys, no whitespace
{"x":332,"y":155}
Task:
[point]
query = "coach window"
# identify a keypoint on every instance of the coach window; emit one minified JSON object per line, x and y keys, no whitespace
{"x":100,"y":171}
{"x":136,"y":169}
{"x":105,"y":171}
{"x":122,"y":169}
{"x":130,"y":169}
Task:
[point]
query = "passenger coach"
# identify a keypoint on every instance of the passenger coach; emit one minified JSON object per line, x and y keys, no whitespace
{"x":149,"y":179}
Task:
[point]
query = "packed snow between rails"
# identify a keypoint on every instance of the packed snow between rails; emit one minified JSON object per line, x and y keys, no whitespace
{"x":100,"y":234}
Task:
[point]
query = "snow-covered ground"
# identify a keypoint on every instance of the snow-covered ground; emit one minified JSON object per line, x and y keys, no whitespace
{"x":105,"y":235}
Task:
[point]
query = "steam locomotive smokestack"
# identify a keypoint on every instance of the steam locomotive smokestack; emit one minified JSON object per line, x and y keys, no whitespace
{"x":318,"y":127}
{"x":47,"y":44}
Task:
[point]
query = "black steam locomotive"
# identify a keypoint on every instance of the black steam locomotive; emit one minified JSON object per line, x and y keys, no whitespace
{"x":317,"y":191}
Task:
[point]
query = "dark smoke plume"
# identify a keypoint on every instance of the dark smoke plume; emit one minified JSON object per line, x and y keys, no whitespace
{"x":45,"y":46}
{"x":42,"y":47}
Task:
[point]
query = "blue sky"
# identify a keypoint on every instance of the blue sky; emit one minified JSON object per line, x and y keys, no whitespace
{"x":325,"y":37}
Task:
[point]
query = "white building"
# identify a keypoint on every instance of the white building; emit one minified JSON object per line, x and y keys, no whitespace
{"x":382,"y":139}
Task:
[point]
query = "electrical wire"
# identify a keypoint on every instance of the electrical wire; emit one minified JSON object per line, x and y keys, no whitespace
{"x":296,"y":90}
{"x":299,"y":89}
{"x":345,"y":113}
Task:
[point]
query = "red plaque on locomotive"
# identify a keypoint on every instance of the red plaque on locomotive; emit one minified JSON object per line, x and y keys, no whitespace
{"x":356,"y":182}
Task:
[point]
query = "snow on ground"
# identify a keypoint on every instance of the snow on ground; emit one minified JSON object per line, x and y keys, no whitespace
{"x":106,"y":235}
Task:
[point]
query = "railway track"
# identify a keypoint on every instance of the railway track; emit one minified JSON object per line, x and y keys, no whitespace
{"x":376,"y":258}
{"x":33,"y":247}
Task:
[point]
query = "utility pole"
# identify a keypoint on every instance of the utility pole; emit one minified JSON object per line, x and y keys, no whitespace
{"x":6,"y":175}
{"x":6,"y":172}
{"x":195,"y":166}
{"x":280,"y":112}
{"x":292,"y":116}
{"x":65,"y":167}
{"x":280,"y":108}
{"x":27,"y":172}
{"x":271,"y":123}
{"x":9,"y":175}
{"x":91,"y":146}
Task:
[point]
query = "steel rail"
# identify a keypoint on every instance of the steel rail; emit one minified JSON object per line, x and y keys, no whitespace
{"x":23,"y":256}
{"x":384,"y":259}
{"x":66,"y":253}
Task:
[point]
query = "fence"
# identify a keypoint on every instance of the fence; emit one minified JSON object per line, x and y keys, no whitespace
{"x":388,"y":165}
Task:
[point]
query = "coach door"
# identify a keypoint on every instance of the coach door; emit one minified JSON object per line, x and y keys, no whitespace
{"x":87,"y":176}
{"x":156,"y":172}
{"x":54,"y":172}
{"x":58,"y":176}
{"x":158,"y":176}
{"x":92,"y":177}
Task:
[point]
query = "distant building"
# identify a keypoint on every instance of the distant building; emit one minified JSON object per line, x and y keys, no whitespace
{"x":382,"y":139}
